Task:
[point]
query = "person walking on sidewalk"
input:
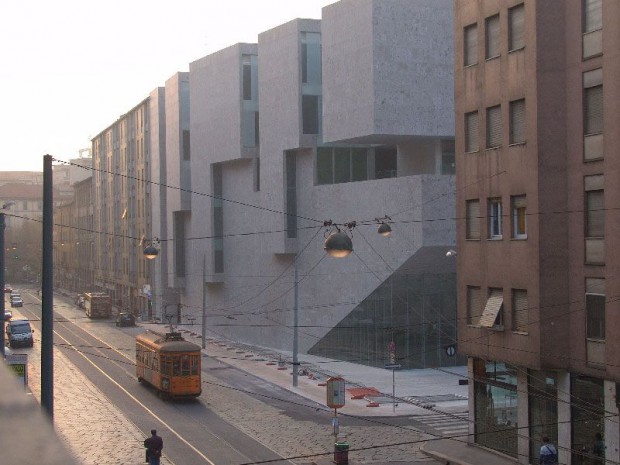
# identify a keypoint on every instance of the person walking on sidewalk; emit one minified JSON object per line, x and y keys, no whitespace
{"x":548,"y":453}
{"x":153,"y":445}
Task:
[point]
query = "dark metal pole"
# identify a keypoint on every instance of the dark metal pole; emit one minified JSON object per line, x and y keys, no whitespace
{"x":47,"y":288}
{"x":204,"y":302}
{"x":296,"y":328}
{"x":2,"y":279}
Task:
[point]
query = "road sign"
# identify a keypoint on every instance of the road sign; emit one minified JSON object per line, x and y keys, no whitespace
{"x":392,"y":366}
{"x":451,"y":350}
{"x":335,"y":392}
{"x":19,"y":364}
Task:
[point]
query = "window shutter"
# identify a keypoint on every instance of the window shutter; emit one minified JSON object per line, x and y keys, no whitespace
{"x":593,"y":123}
{"x":492,"y":36}
{"x":470,"y":49}
{"x":517,"y":121}
{"x":494,"y":127}
{"x":517,"y":27}
{"x":595,"y":214}
{"x":520,"y":310}
{"x":593,"y":12}
{"x":471,"y":131}
{"x":492,"y":308}
{"x":473,"y":219}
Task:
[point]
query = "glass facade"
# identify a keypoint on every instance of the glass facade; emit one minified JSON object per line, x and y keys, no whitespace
{"x":495,"y":403}
{"x":588,"y":418}
{"x":415,"y":311}
{"x":543,"y":410}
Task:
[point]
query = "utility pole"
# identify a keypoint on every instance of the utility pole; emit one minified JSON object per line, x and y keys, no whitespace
{"x":296,"y":328}
{"x":47,"y":287}
{"x":204,"y":302}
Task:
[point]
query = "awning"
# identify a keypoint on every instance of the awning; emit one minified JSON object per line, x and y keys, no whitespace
{"x":492,"y":308}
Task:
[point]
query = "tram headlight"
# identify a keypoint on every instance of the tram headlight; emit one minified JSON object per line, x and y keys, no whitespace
{"x":165,"y":384}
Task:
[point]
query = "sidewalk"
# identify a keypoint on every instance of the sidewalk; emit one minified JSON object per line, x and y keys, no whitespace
{"x":418,"y":392}
{"x":453,"y":452}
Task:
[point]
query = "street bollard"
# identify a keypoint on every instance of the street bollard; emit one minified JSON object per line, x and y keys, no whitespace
{"x":341,"y":453}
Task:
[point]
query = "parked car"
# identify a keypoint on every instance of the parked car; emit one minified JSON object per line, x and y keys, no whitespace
{"x":17,"y":302}
{"x":19,"y":333}
{"x":125,"y":319}
{"x":7,"y":314}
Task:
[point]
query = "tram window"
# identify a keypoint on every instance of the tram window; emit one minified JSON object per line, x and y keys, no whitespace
{"x":155,"y":364}
{"x":176,"y":366}
{"x":185,"y":365}
{"x":194,"y":367}
{"x":165,"y":365}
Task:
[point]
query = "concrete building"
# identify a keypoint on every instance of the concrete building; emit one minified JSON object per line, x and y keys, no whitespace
{"x":122,"y":215}
{"x":536,"y":88}
{"x":356,"y":123}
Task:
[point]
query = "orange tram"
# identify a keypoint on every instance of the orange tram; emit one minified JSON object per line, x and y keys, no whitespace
{"x":170,"y":364}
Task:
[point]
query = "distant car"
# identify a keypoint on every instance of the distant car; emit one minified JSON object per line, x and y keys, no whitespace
{"x":17,"y":302}
{"x":125,"y":319}
{"x":7,"y":289}
{"x":19,"y":333}
{"x":7,"y":314}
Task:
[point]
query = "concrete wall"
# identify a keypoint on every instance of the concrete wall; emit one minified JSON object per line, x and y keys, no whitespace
{"x":373,"y":86}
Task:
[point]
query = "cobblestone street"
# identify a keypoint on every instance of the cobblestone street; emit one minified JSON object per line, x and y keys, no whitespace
{"x":84,"y":416}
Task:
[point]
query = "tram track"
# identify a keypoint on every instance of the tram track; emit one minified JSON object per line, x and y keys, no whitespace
{"x":95,"y":352}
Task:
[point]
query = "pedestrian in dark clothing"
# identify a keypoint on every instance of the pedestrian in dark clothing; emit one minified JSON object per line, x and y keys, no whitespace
{"x":548,"y":453}
{"x":153,"y":445}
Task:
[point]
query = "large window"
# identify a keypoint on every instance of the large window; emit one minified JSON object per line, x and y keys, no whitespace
{"x":495,"y":218}
{"x":448,"y":165}
{"x":494,"y":127}
{"x":595,"y":308}
{"x":519,"y":214}
{"x":517,"y":121}
{"x":470,"y":45}
{"x":472,"y":219}
{"x":495,"y":403}
{"x":587,"y":416}
{"x":492,"y":37}
{"x":516,"y":27}
{"x":336,"y":165}
{"x":471,"y":131}
{"x":543,"y":410}
{"x":385,"y":162}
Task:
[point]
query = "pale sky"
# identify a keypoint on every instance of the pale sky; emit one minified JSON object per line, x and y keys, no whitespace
{"x":70,"y":68}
